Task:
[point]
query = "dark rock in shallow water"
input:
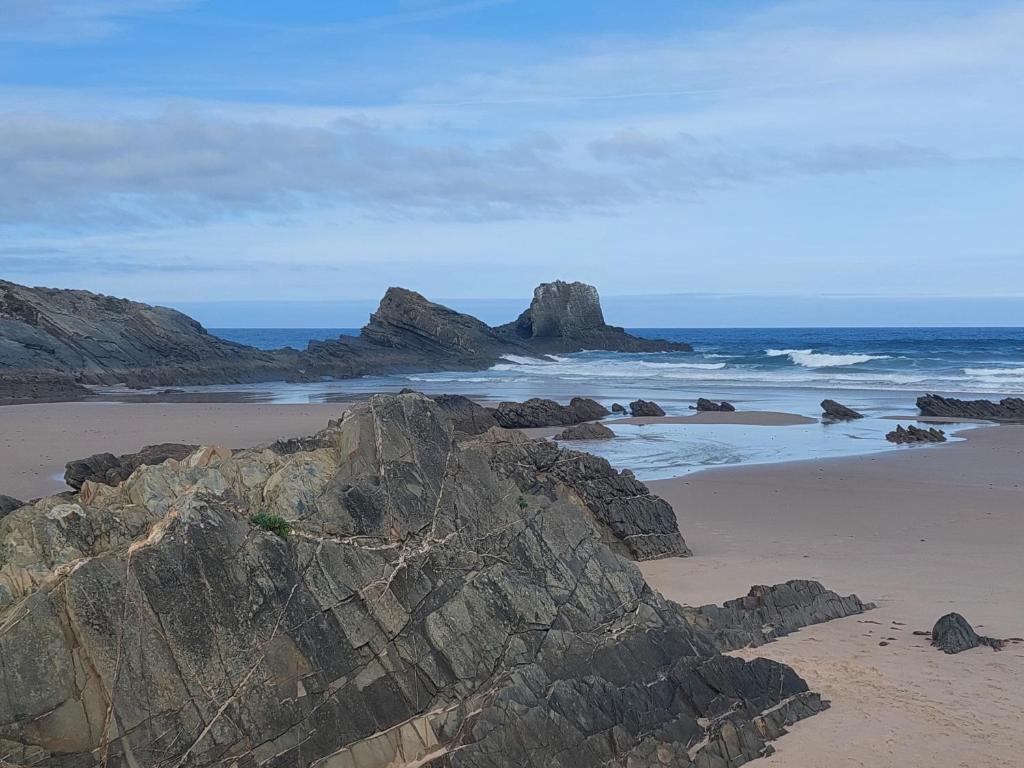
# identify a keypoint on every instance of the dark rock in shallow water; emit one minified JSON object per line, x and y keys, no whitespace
{"x":9,"y":504}
{"x":1007,"y":409}
{"x":645,"y":408}
{"x":618,"y":408}
{"x":953,"y":634}
{"x":588,"y":431}
{"x":541,"y":412}
{"x":833,"y":411}
{"x":908,"y":435}
{"x":109,"y":469}
{"x":703,"y":404}
{"x":767,"y":613}
{"x":422,"y":609}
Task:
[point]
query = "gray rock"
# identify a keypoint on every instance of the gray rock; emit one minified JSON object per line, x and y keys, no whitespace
{"x":833,"y":411}
{"x":911,"y":434}
{"x":109,"y":469}
{"x":1008,"y":409}
{"x":953,"y":634}
{"x":587,"y":431}
{"x":645,"y":408}
{"x":9,"y":504}
{"x":703,"y":404}
{"x":541,"y":412}
{"x":422,"y":608}
{"x":618,"y":408}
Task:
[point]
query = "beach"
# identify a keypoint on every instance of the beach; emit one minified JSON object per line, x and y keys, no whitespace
{"x":920,"y":532}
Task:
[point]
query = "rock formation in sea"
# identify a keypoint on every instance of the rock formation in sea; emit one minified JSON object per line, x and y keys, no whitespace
{"x":541,"y":412}
{"x":591,"y":430}
{"x":109,"y":469}
{"x":645,"y":408}
{"x":953,"y":634}
{"x":832,"y":411}
{"x":911,"y":434}
{"x":618,"y":408}
{"x":567,"y":317}
{"x":705,"y":405}
{"x":379,"y":594}
{"x":52,"y":342}
{"x":1007,"y":409}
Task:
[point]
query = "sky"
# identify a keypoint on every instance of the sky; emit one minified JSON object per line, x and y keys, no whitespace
{"x":746,"y":160}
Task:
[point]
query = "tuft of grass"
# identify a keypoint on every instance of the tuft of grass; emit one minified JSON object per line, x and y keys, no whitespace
{"x":273,"y":523}
{"x":523,"y":502}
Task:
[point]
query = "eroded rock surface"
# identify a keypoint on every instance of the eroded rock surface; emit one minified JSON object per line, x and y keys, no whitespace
{"x":541,"y":412}
{"x":1007,"y":409}
{"x":832,"y":411}
{"x":911,"y":434}
{"x":705,"y":405}
{"x":109,"y":469}
{"x":425,"y":609}
{"x":9,"y":504}
{"x":953,"y":634}
{"x":588,"y":431}
{"x":645,"y":408}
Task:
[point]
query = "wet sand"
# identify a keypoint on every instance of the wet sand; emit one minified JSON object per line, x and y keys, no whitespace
{"x":922,"y":532}
{"x":746,"y":418}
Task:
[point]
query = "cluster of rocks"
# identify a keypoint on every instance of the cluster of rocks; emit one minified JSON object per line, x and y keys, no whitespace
{"x":540,"y":412}
{"x":1008,"y":409}
{"x":953,"y":634}
{"x":911,"y":434}
{"x":705,"y":405}
{"x":431,"y":601}
{"x":831,"y":411}
{"x":109,"y":469}
{"x":53,"y":343}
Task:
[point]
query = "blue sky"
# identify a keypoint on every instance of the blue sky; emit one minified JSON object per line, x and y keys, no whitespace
{"x":190,"y":152}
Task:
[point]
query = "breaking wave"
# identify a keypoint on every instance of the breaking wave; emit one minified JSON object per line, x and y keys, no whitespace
{"x":808,"y":358}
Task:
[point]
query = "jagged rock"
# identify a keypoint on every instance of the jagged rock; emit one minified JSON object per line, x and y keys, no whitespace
{"x":1007,"y":409}
{"x":911,"y":434}
{"x":422,"y":610}
{"x":9,"y":504}
{"x":588,"y":431}
{"x":645,"y":408}
{"x":631,"y":520}
{"x":767,"y":613}
{"x":833,"y":411}
{"x":703,"y":404}
{"x":953,"y":634}
{"x":567,"y":317}
{"x":541,"y":412}
{"x":109,"y":469}
{"x":618,"y":408}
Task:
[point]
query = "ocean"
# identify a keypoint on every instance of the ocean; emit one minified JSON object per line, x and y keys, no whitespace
{"x":878,"y":371}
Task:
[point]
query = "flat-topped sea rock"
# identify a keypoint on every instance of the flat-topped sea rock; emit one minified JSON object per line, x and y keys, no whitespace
{"x":1008,"y":409}
{"x":587,"y":431}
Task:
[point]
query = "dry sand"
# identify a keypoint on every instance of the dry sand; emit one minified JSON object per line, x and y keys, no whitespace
{"x":922,"y":532}
{"x":37,"y":440}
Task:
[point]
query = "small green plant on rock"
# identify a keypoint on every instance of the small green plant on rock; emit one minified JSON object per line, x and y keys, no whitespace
{"x":273,"y":523}
{"x":523,"y":502}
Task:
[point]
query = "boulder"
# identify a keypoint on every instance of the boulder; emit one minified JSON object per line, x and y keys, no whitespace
{"x":587,"y":431}
{"x":109,"y":469}
{"x":911,"y":434}
{"x":953,"y":634}
{"x":392,"y":597}
{"x":833,"y":411}
{"x":703,"y":404}
{"x":1008,"y":409}
{"x":541,"y":412}
{"x":618,"y":408}
{"x":9,"y":504}
{"x":645,"y":408}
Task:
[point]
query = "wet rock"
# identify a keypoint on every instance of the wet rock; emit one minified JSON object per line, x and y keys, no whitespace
{"x":588,"y":431}
{"x":833,"y":411}
{"x":703,"y":404}
{"x":645,"y":408}
{"x":541,"y":412}
{"x":767,"y":613}
{"x":109,"y":469}
{"x":9,"y":504}
{"x":423,"y":608}
{"x":1008,"y":409}
{"x":953,"y":634}
{"x":911,"y":434}
{"x":618,"y":408}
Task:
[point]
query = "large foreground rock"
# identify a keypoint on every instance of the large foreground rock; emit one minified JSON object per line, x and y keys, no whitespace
{"x":831,"y":411}
{"x":1007,"y":409}
{"x":953,"y":634}
{"x":422,"y":610}
{"x":109,"y":469}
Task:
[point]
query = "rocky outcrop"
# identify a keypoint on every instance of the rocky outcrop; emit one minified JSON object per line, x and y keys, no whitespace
{"x":588,"y":431}
{"x":911,"y":434}
{"x":9,"y":504}
{"x":632,"y":521}
{"x":831,"y":411}
{"x":109,"y":469}
{"x":567,"y":317}
{"x":384,"y":599}
{"x":705,"y":405}
{"x":541,"y":412}
{"x":953,"y":634}
{"x":1008,"y":409}
{"x":768,"y":613}
{"x":645,"y":408}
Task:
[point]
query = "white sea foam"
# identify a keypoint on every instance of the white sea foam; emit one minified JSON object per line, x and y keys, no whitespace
{"x":808,"y":358}
{"x":994,"y":371}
